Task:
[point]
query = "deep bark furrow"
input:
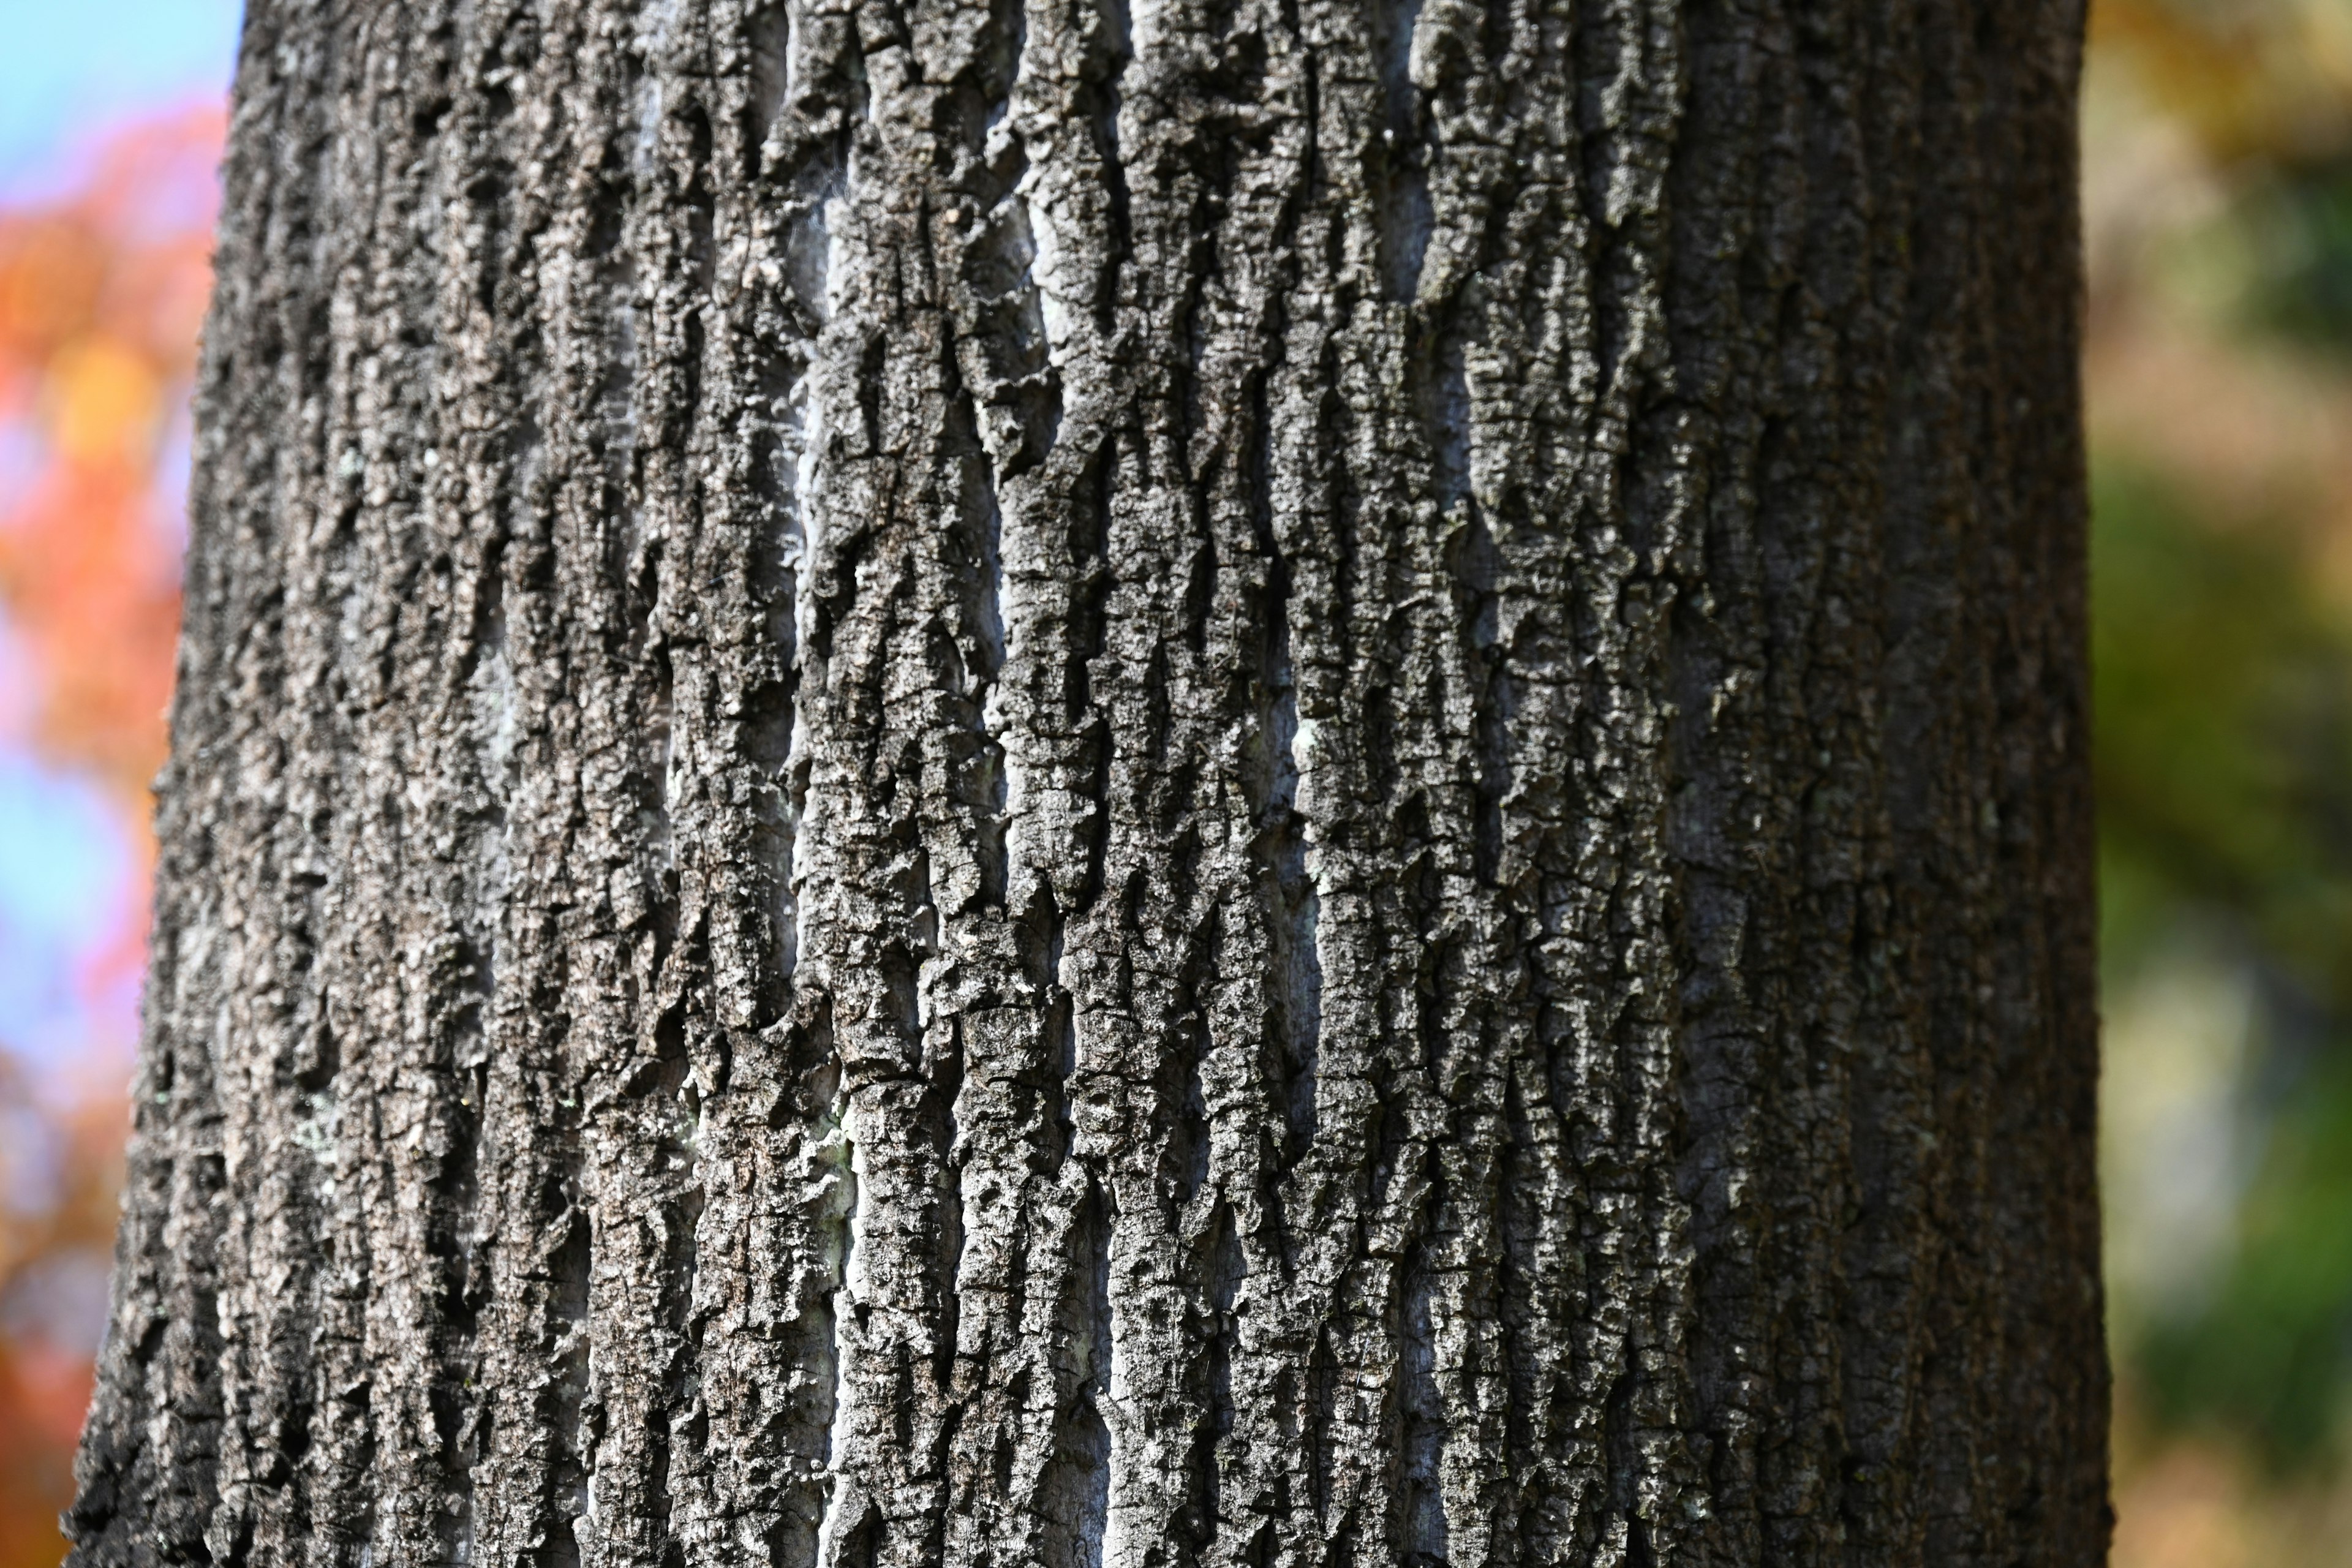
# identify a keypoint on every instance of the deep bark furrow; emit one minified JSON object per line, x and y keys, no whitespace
{"x":1124,"y":785}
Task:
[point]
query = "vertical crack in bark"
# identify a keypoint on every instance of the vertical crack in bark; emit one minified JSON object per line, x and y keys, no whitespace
{"x":572,"y":1474}
{"x":1001,"y":251}
{"x":1116,"y":51}
{"x":768,"y":31}
{"x":1087,"y":537}
{"x":979,"y":656}
{"x":947,"y":1077}
{"x":457,"y":1413}
{"x":1476,"y":565}
{"x":833,"y":1543}
{"x":485,"y":682}
{"x":1401,"y":180}
{"x":795,"y":427}
{"x":1294,"y":902}
{"x":1074,"y":1490}
{"x":1419,"y":1532}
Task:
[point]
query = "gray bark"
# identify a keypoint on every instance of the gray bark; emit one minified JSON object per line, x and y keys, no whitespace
{"x":1125,"y":783}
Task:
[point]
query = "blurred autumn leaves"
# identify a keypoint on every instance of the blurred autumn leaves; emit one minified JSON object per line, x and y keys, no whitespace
{"x":100,"y":302}
{"x":100,"y":297}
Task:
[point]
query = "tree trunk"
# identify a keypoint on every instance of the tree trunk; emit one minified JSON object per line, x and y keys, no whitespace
{"x":1125,"y":783}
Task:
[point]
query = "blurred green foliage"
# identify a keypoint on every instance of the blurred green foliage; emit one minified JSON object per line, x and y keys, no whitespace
{"x":2223,"y":685}
{"x":2275,"y":260}
{"x":2266,"y":1357}
{"x":2298,"y":221}
{"x":2223,"y":695}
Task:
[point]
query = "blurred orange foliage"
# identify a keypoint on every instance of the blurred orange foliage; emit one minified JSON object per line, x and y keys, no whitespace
{"x":101,"y":295}
{"x":44,"y":1384}
{"x":100,"y":298}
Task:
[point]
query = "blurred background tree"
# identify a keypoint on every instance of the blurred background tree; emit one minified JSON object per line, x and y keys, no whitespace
{"x":2217,"y":183}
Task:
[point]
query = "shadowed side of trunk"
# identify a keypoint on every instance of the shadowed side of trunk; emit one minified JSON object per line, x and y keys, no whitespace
{"x":1125,"y":784}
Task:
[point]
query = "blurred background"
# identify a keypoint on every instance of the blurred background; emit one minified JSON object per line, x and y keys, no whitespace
{"x":2218,"y":204}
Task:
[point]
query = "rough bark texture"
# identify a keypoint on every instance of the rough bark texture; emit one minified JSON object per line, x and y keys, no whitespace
{"x":1124,"y":783}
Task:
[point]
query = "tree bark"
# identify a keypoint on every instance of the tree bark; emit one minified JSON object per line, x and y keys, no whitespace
{"x":1128,"y":784}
